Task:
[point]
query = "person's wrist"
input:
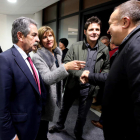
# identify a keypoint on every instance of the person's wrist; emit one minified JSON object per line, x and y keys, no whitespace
{"x":66,"y":66}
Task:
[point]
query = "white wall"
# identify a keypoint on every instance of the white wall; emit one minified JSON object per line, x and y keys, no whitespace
{"x":38,"y":18}
{"x":3,"y":26}
{"x":6,"y":26}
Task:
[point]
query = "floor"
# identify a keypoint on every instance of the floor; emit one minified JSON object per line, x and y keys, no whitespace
{"x":90,"y":131}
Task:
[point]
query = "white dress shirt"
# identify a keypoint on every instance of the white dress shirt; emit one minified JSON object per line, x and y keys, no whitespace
{"x":24,"y":55}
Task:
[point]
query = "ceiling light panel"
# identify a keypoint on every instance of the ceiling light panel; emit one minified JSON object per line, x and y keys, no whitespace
{"x":12,"y":1}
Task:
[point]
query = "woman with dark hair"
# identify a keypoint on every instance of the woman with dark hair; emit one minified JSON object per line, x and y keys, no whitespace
{"x":47,"y":60}
{"x":63,"y":43}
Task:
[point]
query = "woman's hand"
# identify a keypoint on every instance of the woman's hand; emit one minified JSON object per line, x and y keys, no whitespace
{"x":75,"y":65}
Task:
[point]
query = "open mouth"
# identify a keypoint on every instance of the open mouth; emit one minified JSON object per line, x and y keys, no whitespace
{"x":94,"y":36}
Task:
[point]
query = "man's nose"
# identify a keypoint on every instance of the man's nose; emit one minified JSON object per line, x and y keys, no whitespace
{"x":37,"y":39}
{"x":108,"y":32}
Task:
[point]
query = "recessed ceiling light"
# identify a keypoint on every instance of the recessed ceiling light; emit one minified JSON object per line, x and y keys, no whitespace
{"x":12,"y":1}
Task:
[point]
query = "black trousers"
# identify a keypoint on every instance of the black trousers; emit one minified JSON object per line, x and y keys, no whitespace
{"x":84,"y":106}
{"x":43,"y":130}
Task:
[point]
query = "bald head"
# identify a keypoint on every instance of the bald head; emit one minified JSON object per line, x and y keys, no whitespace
{"x":124,"y":19}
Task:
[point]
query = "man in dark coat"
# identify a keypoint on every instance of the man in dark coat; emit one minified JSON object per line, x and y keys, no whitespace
{"x":121,"y":101}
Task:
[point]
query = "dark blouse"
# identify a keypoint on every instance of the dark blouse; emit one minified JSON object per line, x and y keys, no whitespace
{"x":64,"y":53}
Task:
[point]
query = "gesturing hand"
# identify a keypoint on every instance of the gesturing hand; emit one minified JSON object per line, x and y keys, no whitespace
{"x":75,"y":65}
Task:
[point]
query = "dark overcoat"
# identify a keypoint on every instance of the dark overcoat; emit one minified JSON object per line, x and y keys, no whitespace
{"x":121,"y":102}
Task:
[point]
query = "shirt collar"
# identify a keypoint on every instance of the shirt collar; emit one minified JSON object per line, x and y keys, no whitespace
{"x":129,"y":35}
{"x":23,"y":54}
{"x":88,"y":46}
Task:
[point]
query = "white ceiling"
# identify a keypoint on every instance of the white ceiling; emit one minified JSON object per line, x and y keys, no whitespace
{"x":24,"y":6}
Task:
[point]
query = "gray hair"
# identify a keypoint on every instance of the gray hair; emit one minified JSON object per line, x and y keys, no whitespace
{"x":21,"y":25}
{"x":130,"y":9}
{"x":104,"y":37}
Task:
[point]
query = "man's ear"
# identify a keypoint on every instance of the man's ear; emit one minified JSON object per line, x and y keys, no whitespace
{"x":20,"y":36}
{"x":126,"y":22}
{"x":85,"y":32}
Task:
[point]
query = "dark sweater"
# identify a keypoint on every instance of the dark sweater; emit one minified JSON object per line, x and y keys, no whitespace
{"x":64,"y":53}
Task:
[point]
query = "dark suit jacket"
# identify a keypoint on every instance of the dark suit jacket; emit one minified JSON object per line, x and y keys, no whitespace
{"x":20,"y":100}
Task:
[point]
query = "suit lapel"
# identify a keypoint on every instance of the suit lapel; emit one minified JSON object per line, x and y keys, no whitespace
{"x":24,"y":68}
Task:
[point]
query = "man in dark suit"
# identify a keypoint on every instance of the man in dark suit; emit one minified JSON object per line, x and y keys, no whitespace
{"x":22,"y":91}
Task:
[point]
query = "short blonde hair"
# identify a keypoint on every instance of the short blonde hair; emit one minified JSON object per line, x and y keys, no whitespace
{"x":41,"y":31}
